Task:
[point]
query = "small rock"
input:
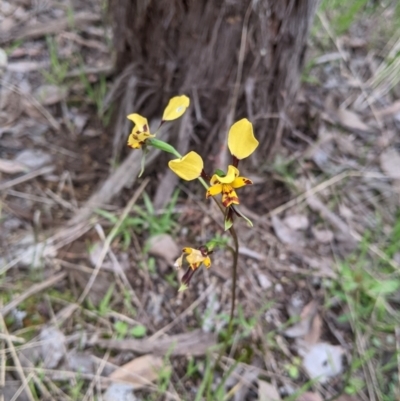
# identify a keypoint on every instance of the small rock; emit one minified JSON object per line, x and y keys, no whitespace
{"x":53,"y":346}
{"x":33,"y":159}
{"x":80,"y":362}
{"x":323,"y":236}
{"x":264,"y":281}
{"x":119,"y":392}
{"x":286,"y":234}
{"x":297,"y":222}
{"x":3,"y":59}
{"x":323,"y":360}
{"x":50,"y":94}
{"x":163,"y":246}
{"x":390,"y":163}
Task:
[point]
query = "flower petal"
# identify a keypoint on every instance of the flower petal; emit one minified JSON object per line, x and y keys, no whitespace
{"x":230,"y":176}
{"x":136,"y":140}
{"x":214,"y":190}
{"x":241,"y":182}
{"x":207,"y":262}
{"x":241,"y":140}
{"x":176,"y":107}
{"x":188,"y":167}
{"x":140,"y":122}
{"x":229,"y":196}
{"x":178,"y":263}
{"x":195,"y":257}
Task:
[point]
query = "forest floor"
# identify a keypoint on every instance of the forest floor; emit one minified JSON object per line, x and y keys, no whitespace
{"x":89,"y":301}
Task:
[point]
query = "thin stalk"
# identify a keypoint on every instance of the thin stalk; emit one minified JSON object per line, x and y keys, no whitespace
{"x":234,"y":277}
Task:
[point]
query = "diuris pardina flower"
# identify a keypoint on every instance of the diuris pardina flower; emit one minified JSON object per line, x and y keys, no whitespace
{"x":141,"y":132}
{"x":194,"y":258}
{"x":241,"y":144}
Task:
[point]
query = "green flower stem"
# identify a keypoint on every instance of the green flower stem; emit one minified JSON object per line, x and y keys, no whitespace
{"x":234,"y":277}
{"x":166,"y":147}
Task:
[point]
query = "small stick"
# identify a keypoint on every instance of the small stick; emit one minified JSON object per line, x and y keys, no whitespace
{"x":17,"y":363}
{"x":31,"y":291}
{"x":110,"y":238}
{"x":26,"y":177}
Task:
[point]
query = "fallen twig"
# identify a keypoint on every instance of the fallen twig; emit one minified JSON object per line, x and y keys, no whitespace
{"x":31,"y":291}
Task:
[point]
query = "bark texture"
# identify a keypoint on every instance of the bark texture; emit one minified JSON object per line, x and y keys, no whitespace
{"x":234,"y":58}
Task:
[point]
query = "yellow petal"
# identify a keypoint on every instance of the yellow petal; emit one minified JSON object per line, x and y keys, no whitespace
{"x":214,"y":190}
{"x":188,"y":167}
{"x":229,"y":196}
{"x":178,"y":262}
{"x":195,"y":258}
{"x":232,"y":173}
{"x":207,"y":262}
{"x":241,"y":140}
{"x":140,"y":122}
{"x":176,"y":107}
{"x":136,"y":140}
{"x":133,"y":142}
{"x":241,"y":182}
{"x":187,"y":250}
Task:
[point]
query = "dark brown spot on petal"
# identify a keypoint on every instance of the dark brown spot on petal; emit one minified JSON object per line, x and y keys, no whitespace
{"x":247,"y":181}
{"x":229,"y":200}
{"x":204,"y":251}
{"x":145,"y":128}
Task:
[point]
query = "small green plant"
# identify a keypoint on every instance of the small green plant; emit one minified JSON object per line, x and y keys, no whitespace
{"x":76,"y":388}
{"x":58,"y":69}
{"x":145,"y":220}
{"x":138,"y":331}
{"x":121,"y":328}
{"x":344,"y":13}
{"x":104,"y":305}
{"x":96,"y":93}
{"x":293,"y":368}
{"x":366,"y":289}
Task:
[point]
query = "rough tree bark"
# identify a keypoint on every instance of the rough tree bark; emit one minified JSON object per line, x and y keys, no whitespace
{"x":234,"y":58}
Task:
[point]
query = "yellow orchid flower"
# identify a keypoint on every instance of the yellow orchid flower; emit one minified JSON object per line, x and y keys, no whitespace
{"x":188,"y":167}
{"x":241,"y":140}
{"x":227,"y":185}
{"x":175,"y":108}
{"x":140,"y":131}
{"x":195,"y":257}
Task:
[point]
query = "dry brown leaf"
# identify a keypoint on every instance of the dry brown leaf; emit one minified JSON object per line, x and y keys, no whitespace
{"x":12,"y":167}
{"x":267,"y":392}
{"x":303,"y":327}
{"x":309,"y":396}
{"x":164,"y":246}
{"x":139,"y":372}
{"x":323,"y":236}
{"x":352,"y":121}
{"x":390,"y":163}
{"x":286,"y":234}
{"x":314,"y":334}
{"x":297,"y":221}
{"x":394,"y":108}
{"x":192,"y":343}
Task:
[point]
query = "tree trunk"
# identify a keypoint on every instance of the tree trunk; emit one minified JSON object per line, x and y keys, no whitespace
{"x":233,"y":58}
